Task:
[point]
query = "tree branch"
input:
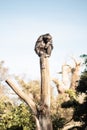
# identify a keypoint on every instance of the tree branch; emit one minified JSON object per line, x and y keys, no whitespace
{"x":22,"y":95}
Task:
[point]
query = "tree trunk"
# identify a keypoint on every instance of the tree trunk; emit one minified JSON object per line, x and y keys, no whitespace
{"x":44,"y":114}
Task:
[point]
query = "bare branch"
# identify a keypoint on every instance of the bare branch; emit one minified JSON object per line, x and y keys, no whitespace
{"x":59,"y":86}
{"x":76,"y":61}
{"x":27,"y":98}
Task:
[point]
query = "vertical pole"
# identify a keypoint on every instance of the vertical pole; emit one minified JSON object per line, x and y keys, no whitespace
{"x":45,"y":120}
{"x":45,"y":82}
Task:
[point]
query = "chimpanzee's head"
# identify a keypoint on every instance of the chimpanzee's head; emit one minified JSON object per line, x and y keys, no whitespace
{"x":46,"y":38}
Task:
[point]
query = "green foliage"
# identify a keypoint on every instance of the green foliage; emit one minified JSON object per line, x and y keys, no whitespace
{"x":83,"y":81}
{"x":5,"y":107}
{"x":72,"y":94}
{"x":84,"y":57}
{"x":80,"y":112}
{"x":16,"y":117}
{"x":82,"y":88}
{"x":70,"y":104}
{"x":58,"y":122}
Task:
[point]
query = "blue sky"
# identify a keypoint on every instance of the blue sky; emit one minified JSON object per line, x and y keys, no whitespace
{"x":23,"y":21}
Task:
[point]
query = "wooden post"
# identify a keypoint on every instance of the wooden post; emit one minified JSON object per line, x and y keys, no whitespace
{"x":44,"y":116}
{"x":45,"y":82}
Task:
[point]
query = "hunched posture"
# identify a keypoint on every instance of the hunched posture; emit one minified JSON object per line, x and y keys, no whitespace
{"x":43,"y":46}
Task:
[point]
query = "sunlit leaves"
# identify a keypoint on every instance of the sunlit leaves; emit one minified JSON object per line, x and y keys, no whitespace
{"x":17,"y":116}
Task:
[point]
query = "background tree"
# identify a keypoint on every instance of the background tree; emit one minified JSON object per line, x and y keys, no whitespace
{"x":81,"y":112}
{"x":70,"y":76}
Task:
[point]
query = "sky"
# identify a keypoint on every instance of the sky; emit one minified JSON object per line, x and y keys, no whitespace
{"x":23,"y":21}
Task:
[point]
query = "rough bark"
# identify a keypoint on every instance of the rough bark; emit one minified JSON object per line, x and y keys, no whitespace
{"x":45,"y":82}
{"x":44,"y":115}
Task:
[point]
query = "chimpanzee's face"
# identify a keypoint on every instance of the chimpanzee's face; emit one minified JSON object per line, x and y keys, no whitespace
{"x":46,"y":40}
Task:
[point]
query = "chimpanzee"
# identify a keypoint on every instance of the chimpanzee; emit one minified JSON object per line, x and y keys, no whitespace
{"x":44,"y":45}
